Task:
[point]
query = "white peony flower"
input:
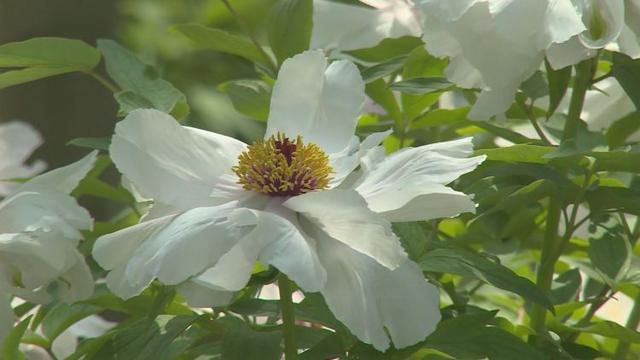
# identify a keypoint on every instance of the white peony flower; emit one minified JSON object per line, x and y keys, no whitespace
{"x":39,"y":232}
{"x":343,"y":27}
{"x":17,"y":141}
{"x":495,"y":45}
{"x":309,"y":199}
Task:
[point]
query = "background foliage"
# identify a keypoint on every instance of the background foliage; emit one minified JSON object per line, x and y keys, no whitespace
{"x":554,"y":238}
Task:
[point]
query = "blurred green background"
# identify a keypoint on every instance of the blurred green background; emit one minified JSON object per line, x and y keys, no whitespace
{"x":70,"y":106}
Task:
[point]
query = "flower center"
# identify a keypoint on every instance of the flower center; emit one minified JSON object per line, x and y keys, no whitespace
{"x":279,"y":166}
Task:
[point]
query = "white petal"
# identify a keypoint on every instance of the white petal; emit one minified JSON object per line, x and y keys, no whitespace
{"x":409,"y":184}
{"x":174,"y":164}
{"x":198,"y":295}
{"x":44,"y":211}
{"x":191,"y":242}
{"x":284,"y":245}
{"x":568,"y":53}
{"x":118,"y":283}
{"x":17,"y":141}
{"x":348,"y":27}
{"x":77,"y":282}
{"x":320,"y":103}
{"x":369,"y":298}
{"x":499,"y":43}
{"x":609,"y":17}
{"x":344,"y":216}
{"x":64,"y":179}
{"x":38,"y":259}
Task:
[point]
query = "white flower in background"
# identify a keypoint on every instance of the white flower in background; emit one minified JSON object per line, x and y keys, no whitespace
{"x":607,"y":104}
{"x":40,"y":227}
{"x":309,"y":199}
{"x":495,"y":45}
{"x":343,"y":27}
{"x":17,"y":141}
{"x":610,"y":24}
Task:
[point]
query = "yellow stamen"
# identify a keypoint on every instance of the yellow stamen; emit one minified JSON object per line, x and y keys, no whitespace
{"x":279,"y":167}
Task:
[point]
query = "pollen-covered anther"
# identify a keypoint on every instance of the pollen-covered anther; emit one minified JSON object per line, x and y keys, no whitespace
{"x":280,"y":167}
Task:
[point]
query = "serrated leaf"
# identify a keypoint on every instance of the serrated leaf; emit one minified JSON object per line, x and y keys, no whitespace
{"x":469,"y":264}
{"x":141,"y":85}
{"x":290,"y":26}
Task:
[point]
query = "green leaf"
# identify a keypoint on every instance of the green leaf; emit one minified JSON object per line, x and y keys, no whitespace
{"x":518,"y":153}
{"x":413,"y":238}
{"x":469,"y":337}
{"x":617,"y":161}
{"x":220,"y":40}
{"x":380,"y":93}
{"x":558,"y":83}
{"x":387,"y":49}
{"x":141,"y":85}
{"x":469,"y":264}
{"x":422,"y":85}
{"x":627,"y":71}
{"x":12,"y":341}
{"x":290,"y":27}
{"x":611,"y":254}
{"x":566,"y":286}
{"x":607,"y":198}
{"x":15,"y":77}
{"x":439,"y":117}
{"x":43,"y":57}
{"x":242,"y":343}
{"x":62,"y":315}
{"x":536,"y":86}
{"x":146,"y":339}
{"x":621,"y":129}
{"x":610,"y":329}
{"x":420,"y":64}
{"x":249,"y":97}
{"x":383,"y":69}
{"x":49,"y":52}
{"x":328,"y":348}
{"x":92,"y":143}
{"x":535,"y":191}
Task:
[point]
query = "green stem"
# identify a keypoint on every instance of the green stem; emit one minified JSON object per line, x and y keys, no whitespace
{"x":632,"y":323}
{"x":249,"y":33}
{"x":104,"y":81}
{"x":288,"y":317}
{"x":546,"y":268}
{"x":584,"y":74}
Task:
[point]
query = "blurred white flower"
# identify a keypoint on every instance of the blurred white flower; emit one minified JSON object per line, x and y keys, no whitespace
{"x":295,"y":200}
{"x":495,"y":45}
{"x":40,"y":227}
{"x":17,"y":141}
{"x":607,"y":104}
{"x":343,"y":27}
